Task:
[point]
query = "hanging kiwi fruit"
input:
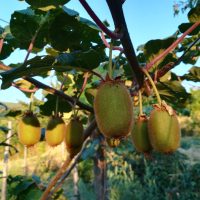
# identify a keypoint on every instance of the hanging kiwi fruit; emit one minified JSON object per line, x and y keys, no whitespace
{"x":113,"y":109}
{"x":113,"y":105}
{"x":139,"y":133}
{"x":29,"y":130}
{"x":74,"y":136}
{"x":55,"y":130}
{"x":163,"y":125}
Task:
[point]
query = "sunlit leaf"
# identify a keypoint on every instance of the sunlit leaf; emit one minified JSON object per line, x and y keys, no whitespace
{"x":194,"y":14}
{"x":193,"y":75}
{"x":173,"y":91}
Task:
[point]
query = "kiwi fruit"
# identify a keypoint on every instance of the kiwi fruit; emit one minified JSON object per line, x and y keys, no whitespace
{"x":74,"y":136}
{"x":29,"y":131}
{"x":139,"y":135}
{"x":164,"y":129}
{"x":113,"y":109}
{"x":55,"y":131}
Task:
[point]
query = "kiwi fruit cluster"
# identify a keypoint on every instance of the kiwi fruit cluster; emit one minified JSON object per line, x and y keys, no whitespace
{"x":160,"y":131}
{"x":114,"y":115}
{"x":29,"y":132}
{"x":113,"y":109}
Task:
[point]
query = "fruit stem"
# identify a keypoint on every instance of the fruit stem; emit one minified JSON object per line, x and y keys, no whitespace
{"x":140,"y":102}
{"x":31,"y":102}
{"x":117,"y":60}
{"x":57,"y":105}
{"x":153,"y":85}
{"x":110,"y":60}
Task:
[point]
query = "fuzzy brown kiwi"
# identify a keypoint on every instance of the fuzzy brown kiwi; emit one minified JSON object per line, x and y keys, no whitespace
{"x":29,"y":131}
{"x":55,"y":131}
{"x":113,"y":109}
{"x":164,"y":129}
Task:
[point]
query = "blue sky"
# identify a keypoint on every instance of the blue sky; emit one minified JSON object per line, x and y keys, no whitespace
{"x":146,"y":20}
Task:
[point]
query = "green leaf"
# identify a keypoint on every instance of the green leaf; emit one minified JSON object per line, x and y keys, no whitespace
{"x":90,"y":94}
{"x":40,"y":65}
{"x":173,"y":91}
{"x":154,"y":47}
{"x":36,"y":179}
{"x":4,"y":129}
{"x":13,"y":113}
{"x":9,"y":43}
{"x":45,"y":3}
{"x":87,"y":60}
{"x":24,"y":85}
{"x":24,"y":24}
{"x":70,"y":32}
{"x":35,"y":66}
{"x":89,"y":24}
{"x":32,"y":193}
{"x":49,"y":106}
{"x":191,"y":57}
{"x":22,"y":186}
{"x":194,"y":14}
{"x":185,"y":26}
{"x":193,"y":75}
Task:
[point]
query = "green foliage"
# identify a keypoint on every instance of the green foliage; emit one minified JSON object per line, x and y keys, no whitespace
{"x":71,"y":45}
{"x":46,"y":108}
{"x":131,"y":175}
{"x":26,"y":188}
{"x":20,"y":187}
{"x":41,"y":3}
{"x":193,"y":75}
{"x":154,"y":47}
{"x":173,"y":91}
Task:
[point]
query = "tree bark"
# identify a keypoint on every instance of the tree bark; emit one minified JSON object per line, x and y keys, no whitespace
{"x":100,"y":180}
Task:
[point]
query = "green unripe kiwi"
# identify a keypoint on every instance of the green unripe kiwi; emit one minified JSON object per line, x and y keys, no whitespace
{"x":140,"y":135}
{"x":113,"y":109}
{"x":164,"y":130}
{"x":74,"y":136}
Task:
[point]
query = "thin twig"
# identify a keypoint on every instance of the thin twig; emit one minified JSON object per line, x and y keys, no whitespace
{"x":171,"y":65}
{"x":56,"y":178}
{"x":96,"y":74}
{"x":172,"y":46}
{"x":88,"y":131}
{"x":25,"y":89}
{"x":108,"y":45}
{"x":1,"y":44}
{"x":4,"y":21}
{"x":8,"y":138}
{"x":111,"y":34}
{"x":30,"y":48}
{"x":51,"y":90}
{"x":69,"y":169}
